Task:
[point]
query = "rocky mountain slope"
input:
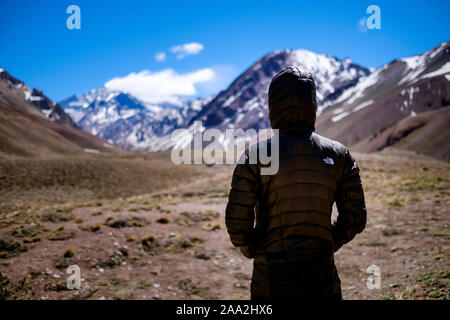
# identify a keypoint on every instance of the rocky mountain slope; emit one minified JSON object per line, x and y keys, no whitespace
{"x":32,"y":125}
{"x":37,"y":98}
{"x":354,"y":103}
{"x":401,"y":89}
{"x":426,"y":132}
{"x":244,"y":103}
{"x":123,"y":119}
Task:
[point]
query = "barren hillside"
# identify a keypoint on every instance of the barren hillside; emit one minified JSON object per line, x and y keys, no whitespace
{"x":169,"y":242}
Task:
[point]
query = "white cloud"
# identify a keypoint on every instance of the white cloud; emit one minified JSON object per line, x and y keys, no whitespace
{"x":223,"y":76}
{"x":161,"y":86}
{"x":186,"y":49}
{"x":160,"y":56}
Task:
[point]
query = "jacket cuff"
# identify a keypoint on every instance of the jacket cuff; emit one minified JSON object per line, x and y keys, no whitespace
{"x":247,"y":252}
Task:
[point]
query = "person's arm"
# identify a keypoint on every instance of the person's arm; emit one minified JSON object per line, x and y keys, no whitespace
{"x":350,"y":203}
{"x":240,"y":211}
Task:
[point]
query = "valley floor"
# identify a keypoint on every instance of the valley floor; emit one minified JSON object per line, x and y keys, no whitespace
{"x":171,"y":242}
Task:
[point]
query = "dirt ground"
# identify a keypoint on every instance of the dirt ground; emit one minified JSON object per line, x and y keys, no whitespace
{"x":172,"y":244}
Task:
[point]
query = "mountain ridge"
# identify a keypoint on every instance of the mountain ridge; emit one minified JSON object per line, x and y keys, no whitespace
{"x":50,"y":109}
{"x":246,"y":109}
{"x":31,"y":125}
{"x":354,"y":102}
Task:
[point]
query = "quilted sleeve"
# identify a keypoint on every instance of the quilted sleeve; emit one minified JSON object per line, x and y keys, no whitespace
{"x":350,"y":203}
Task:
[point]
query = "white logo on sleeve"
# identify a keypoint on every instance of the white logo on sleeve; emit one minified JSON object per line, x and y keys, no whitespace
{"x":328,"y":160}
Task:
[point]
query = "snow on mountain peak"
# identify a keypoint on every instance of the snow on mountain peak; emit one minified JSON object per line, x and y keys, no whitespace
{"x":328,"y":72}
{"x":120,"y":117}
{"x":342,"y":85}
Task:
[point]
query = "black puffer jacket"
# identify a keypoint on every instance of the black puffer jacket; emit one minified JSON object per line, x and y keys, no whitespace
{"x":293,"y":239}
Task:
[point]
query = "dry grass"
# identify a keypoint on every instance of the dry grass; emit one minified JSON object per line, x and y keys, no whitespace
{"x":38,"y":182}
{"x":124,"y":253}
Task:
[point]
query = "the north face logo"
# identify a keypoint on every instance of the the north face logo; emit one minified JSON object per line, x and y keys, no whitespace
{"x":328,"y":160}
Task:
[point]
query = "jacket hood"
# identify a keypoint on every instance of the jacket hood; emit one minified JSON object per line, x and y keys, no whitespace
{"x":292,"y":99}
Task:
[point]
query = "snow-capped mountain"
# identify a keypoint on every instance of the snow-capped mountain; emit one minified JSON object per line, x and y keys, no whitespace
{"x":124,"y":120}
{"x":244,"y":103}
{"x":402,"y":88}
{"x":32,"y":125}
{"x":353,"y":102}
{"x":50,"y":109}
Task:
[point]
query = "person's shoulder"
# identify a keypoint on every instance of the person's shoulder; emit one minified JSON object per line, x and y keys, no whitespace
{"x":329,"y":146}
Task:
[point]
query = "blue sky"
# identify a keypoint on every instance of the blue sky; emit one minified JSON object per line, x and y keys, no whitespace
{"x":121,"y":37}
